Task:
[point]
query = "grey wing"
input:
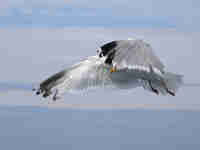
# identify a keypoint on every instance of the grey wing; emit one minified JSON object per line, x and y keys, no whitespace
{"x":87,"y":74}
{"x":127,"y":53}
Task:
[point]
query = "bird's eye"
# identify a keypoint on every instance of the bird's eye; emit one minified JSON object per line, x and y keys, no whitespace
{"x":101,"y":54}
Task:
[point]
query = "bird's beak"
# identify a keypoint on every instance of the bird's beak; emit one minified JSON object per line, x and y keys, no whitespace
{"x":112,"y":69}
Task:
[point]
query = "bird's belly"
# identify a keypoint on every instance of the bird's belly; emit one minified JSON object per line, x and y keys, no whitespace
{"x":125,"y":80}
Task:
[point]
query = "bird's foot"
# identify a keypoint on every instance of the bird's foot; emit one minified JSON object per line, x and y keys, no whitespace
{"x":170,"y":92}
{"x":155,"y":91}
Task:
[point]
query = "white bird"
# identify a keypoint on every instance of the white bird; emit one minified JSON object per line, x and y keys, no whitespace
{"x":123,"y":64}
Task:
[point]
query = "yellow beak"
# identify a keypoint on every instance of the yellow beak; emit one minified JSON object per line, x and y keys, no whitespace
{"x":113,"y":69}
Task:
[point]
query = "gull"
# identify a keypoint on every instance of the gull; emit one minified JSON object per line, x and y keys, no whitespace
{"x":122,"y":64}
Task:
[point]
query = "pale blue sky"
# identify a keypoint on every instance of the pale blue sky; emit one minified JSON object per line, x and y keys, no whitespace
{"x":181,"y":14}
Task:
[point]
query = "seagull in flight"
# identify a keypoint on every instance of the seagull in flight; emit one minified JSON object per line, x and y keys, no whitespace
{"x":123,"y":64}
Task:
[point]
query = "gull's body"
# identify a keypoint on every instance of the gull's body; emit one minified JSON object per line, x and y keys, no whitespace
{"x":122,"y":64}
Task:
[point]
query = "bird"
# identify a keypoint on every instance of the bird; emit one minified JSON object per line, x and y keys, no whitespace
{"x":122,"y":64}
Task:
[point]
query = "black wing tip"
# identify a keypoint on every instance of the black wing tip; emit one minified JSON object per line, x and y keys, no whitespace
{"x":46,"y":88}
{"x":41,"y":91}
{"x":45,"y":93}
{"x":106,"y":48}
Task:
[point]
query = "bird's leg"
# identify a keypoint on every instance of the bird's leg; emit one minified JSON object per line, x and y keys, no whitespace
{"x":170,"y":92}
{"x":153,"y":89}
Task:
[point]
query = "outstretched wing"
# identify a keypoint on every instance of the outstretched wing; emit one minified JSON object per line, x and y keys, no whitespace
{"x":130,"y":53}
{"x":89,"y":73}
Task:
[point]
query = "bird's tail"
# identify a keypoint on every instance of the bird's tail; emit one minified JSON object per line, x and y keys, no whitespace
{"x":172,"y":82}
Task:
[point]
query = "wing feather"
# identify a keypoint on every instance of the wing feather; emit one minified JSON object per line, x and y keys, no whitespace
{"x":87,"y":74}
{"x":133,"y":52}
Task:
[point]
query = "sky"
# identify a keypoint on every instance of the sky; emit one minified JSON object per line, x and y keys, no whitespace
{"x":41,"y":52}
{"x":181,"y":14}
{"x":40,"y":38}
